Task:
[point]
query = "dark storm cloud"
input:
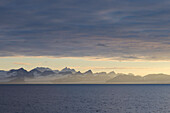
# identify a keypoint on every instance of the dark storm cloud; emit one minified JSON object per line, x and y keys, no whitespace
{"x":102,"y":45}
{"x":124,"y":29}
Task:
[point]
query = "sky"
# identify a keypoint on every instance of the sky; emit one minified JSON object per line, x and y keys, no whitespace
{"x":130,"y":36}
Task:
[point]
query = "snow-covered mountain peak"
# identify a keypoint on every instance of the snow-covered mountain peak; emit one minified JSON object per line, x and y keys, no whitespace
{"x":42,"y":69}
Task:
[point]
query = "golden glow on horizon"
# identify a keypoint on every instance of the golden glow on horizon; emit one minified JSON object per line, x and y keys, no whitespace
{"x":83,"y":64}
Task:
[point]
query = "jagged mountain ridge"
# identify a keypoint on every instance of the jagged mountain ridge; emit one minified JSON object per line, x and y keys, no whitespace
{"x":68,"y":75}
{"x":43,"y":71}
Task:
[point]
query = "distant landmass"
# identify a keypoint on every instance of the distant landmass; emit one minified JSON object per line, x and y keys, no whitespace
{"x":44,"y":75}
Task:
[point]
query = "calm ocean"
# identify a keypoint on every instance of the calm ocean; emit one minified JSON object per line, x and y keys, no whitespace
{"x":84,"y":98}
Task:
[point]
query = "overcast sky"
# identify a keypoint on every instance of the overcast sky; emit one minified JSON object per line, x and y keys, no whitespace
{"x":122,"y":30}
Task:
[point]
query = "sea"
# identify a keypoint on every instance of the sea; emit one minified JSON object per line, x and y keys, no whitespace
{"x":87,"y":98}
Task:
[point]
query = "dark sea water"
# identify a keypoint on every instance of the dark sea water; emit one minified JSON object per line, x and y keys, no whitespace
{"x":84,"y":98}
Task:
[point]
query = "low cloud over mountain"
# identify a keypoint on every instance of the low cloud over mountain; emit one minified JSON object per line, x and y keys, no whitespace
{"x":67,"y":75}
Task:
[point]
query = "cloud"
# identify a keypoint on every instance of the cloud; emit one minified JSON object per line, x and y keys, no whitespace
{"x":102,"y":45}
{"x":120,"y":30}
{"x":21,"y":63}
{"x":114,"y":68}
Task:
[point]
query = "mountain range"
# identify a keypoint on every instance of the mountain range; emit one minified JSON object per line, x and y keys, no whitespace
{"x":44,"y":75}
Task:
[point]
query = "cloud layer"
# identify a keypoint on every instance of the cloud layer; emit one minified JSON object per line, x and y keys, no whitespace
{"x":119,"y":30}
